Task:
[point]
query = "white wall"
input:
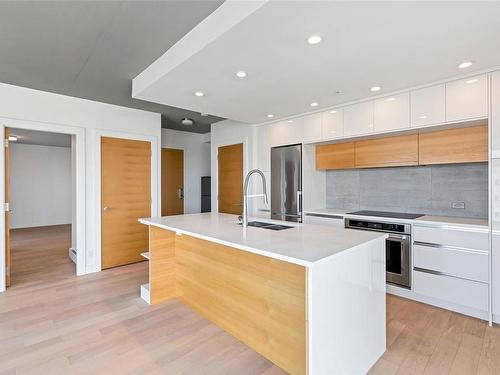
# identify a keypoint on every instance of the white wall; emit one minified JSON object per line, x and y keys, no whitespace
{"x":230,"y":132}
{"x":196,"y":163}
{"x":32,"y":109}
{"x":40,"y":184}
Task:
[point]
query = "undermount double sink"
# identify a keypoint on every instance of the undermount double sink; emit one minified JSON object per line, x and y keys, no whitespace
{"x":271,"y":226}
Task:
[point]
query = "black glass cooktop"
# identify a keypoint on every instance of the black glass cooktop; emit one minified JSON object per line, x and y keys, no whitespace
{"x":395,"y":215}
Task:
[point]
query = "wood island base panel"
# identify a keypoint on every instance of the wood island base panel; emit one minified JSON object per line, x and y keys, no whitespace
{"x":298,"y":317}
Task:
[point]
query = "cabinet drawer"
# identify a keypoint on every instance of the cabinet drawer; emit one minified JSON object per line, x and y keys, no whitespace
{"x":451,"y":289}
{"x":336,"y":221}
{"x":471,"y":265}
{"x":451,"y":237}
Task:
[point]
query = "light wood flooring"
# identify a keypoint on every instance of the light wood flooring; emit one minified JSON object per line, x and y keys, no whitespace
{"x":52,"y":322}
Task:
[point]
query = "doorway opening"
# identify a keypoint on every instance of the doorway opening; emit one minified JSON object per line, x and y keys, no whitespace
{"x":40,"y":215}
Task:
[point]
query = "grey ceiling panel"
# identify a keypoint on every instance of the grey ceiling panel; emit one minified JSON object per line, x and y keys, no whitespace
{"x":93,"y":49}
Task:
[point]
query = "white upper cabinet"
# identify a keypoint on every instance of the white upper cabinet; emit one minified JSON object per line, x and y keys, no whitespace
{"x":467,"y":98}
{"x":263,"y":147}
{"x":392,"y":112}
{"x":311,"y":127}
{"x":495,"y":114}
{"x":333,"y":124}
{"x":428,"y":106}
{"x":358,"y":119}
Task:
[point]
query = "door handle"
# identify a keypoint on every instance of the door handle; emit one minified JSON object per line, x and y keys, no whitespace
{"x":180,"y":193}
{"x":106,"y":208}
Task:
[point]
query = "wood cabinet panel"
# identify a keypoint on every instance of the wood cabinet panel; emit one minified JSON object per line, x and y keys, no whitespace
{"x":336,"y":156}
{"x":387,"y":152}
{"x":259,"y":300}
{"x":162,"y":284}
{"x":463,"y":145}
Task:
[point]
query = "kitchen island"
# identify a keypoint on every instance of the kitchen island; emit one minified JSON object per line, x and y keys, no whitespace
{"x":309,"y":298}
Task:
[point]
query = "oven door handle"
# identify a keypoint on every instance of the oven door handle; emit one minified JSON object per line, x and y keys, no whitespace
{"x":397,"y":237}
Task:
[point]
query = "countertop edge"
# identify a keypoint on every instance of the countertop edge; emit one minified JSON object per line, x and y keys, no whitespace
{"x":335,"y":213}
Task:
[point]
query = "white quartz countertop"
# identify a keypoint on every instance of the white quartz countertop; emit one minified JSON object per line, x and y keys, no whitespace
{"x":304,"y":244}
{"x":481,"y":224}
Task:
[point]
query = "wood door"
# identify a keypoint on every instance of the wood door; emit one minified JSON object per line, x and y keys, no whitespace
{"x":396,"y":151}
{"x":7,"y":212}
{"x":335,"y":156}
{"x":462,"y":145}
{"x":172,"y":182}
{"x":125,"y":197}
{"x":230,"y":161}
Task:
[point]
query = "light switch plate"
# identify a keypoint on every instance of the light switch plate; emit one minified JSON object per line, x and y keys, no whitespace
{"x":458,"y":205}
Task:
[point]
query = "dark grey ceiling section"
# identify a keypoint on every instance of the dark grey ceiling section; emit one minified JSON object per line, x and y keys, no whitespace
{"x":93,"y":49}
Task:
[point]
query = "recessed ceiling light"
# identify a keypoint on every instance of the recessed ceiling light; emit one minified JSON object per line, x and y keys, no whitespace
{"x":332,"y":112}
{"x":473,"y":80}
{"x":204,"y":114}
{"x":423,"y":117}
{"x":13,"y":138}
{"x":314,"y":39}
{"x":391,"y":99}
{"x":375,"y":88}
{"x":241,"y":74}
{"x":290,"y":121}
{"x":465,"y":64}
{"x":199,"y":93}
{"x":270,"y":115}
{"x":314,"y":104}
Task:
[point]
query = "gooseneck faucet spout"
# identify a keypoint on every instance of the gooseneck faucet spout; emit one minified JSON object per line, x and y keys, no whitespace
{"x":246,"y":196}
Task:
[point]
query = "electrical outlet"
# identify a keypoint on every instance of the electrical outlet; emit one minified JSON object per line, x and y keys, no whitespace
{"x":458,"y":205}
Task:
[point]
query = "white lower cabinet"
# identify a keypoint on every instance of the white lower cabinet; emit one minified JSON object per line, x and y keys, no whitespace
{"x":451,"y":267}
{"x":454,"y":290}
{"x":495,"y":251}
{"x":323,"y":219}
{"x":467,"y":264}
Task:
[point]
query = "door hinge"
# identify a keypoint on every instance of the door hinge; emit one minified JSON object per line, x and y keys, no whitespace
{"x":6,"y":207}
{"x":7,"y":270}
{"x":6,"y":143}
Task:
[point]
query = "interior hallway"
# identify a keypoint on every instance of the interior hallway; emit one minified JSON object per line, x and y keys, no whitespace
{"x":40,"y":255}
{"x":54,"y":322}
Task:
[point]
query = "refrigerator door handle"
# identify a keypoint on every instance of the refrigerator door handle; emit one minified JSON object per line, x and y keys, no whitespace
{"x":299,"y":202}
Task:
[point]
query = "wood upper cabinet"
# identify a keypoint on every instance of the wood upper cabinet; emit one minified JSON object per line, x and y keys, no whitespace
{"x":428,"y":106}
{"x":392,"y":112}
{"x":333,"y":124}
{"x":463,"y":145}
{"x":336,"y":156}
{"x":467,"y":98}
{"x":358,"y":119}
{"x":387,"y":152}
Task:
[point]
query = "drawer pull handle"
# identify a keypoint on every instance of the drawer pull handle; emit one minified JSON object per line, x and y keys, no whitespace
{"x":439,"y":273}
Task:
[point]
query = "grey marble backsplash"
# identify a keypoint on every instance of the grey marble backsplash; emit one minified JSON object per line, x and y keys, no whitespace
{"x":428,"y":190}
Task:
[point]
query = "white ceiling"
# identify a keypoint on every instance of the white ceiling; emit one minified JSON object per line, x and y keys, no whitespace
{"x":391,"y":44}
{"x":33,"y":137}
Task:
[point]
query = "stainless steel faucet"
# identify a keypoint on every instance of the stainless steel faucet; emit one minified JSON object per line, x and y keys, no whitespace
{"x":246,"y":196}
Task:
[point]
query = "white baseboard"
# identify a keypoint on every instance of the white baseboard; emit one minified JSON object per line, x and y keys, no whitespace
{"x":465,"y":310}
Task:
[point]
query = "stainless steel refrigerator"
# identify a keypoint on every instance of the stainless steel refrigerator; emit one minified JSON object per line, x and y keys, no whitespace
{"x":286,"y":183}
